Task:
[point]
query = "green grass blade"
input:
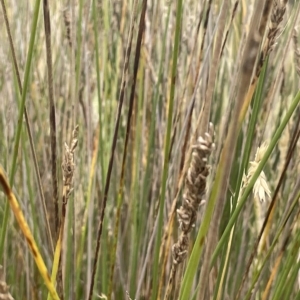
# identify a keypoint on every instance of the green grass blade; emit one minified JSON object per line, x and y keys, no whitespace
{"x":20,"y":119}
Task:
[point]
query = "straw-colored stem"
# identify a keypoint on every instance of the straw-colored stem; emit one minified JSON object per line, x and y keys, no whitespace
{"x":27,"y":234}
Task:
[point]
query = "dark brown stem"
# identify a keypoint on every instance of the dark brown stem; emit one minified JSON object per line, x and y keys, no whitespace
{"x":113,"y":148}
{"x":214,"y":68}
{"x":130,"y":111}
{"x":47,"y":25}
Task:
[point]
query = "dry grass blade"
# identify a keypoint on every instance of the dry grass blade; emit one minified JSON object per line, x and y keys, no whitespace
{"x":52,"y":120}
{"x":28,"y":235}
{"x":205,"y":114}
{"x":288,"y":236}
{"x":273,"y":274}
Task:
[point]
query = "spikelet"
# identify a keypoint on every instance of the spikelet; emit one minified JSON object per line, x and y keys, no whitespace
{"x":195,"y":188}
{"x":296,"y":51}
{"x":278,"y":12}
{"x":4,"y":288}
{"x":68,"y":166}
{"x":67,"y":22}
{"x":193,"y":197}
{"x":261,"y":191}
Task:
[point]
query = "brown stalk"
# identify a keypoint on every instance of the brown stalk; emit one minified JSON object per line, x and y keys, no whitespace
{"x":47,"y":25}
{"x":74,"y":87}
{"x":235,"y":6}
{"x":129,"y":115}
{"x":263,"y":54}
{"x":227,"y":155}
{"x":180,"y":104}
{"x":223,"y":127}
{"x":113,"y":147}
{"x":274,"y":271}
{"x":205,"y":114}
{"x":276,"y":265}
{"x":36,"y":168}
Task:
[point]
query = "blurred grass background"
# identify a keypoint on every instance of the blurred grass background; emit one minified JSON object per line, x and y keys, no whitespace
{"x":175,"y":68}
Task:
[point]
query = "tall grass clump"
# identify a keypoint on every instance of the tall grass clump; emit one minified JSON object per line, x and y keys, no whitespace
{"x":149,"y":149}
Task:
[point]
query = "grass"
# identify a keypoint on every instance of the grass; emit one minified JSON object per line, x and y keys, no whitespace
{"x":151,"y":201}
